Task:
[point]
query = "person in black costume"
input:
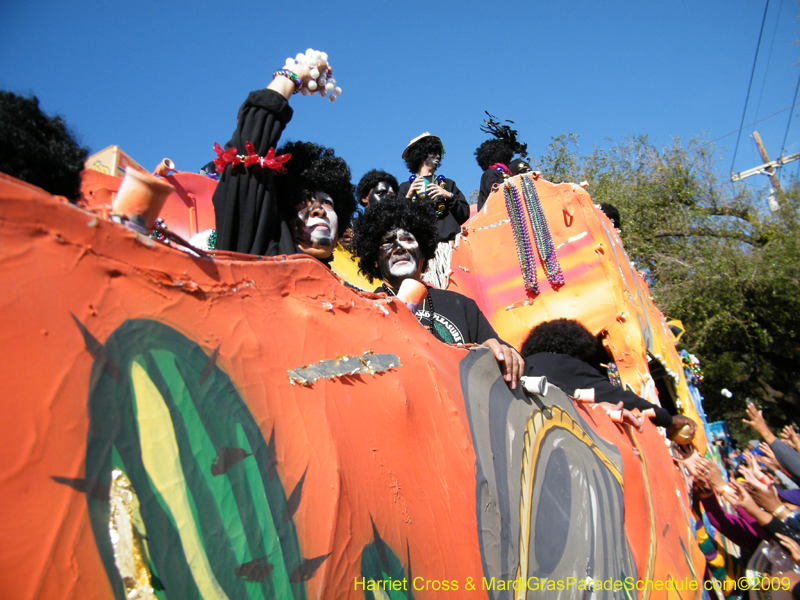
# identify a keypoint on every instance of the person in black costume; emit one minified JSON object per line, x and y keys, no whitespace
{"x":613,"y":214}
{"x":39,"y":149}
{"x":376,"y":185}
{"x":561,"y":350}
{"x":493,"y":157}
{"x":423,"y":155}
{"x":393,"y":241}
{"x":261,"y":211}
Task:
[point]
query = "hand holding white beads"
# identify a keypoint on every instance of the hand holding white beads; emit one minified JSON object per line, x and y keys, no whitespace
{"x":316,"y":73}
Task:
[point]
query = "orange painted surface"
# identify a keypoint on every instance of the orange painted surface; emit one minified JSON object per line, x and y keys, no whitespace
{"x":393,"y":449}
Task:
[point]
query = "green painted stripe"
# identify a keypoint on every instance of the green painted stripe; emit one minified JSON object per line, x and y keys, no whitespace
{"x":161,"y":459}
{"x":280,"y":574}
{"x":203,"y":452}
{"x":211,"y":524}
{"x":239,"y":516}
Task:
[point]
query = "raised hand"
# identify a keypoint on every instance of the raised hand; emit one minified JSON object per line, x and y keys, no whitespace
{"x":791,"y":545}
{"x":756,"y":421}
{"x":789,"y":435}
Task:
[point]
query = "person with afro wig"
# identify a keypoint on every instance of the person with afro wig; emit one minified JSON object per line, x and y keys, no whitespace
{"x":393,"y":241}
{"x":295,"y":200}
{"x":39,"y":149}
{"x":562,"y":349}
{"x":493,"y":157}
{"x":422,"y":156}
{"x":375,"y":186}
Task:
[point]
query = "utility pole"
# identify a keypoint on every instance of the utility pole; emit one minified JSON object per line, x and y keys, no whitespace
{"x":769,"y":167}
{"x":770,"y":171}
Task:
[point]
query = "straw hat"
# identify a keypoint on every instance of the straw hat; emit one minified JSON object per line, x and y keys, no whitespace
{"x":416,"y":139}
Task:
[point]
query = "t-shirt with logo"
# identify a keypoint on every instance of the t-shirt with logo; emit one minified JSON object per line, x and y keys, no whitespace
{"x":456,"y":318}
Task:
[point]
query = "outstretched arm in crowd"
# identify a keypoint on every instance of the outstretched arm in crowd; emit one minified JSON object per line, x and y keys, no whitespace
{"x":787,"y":456}
{"x":740,"y":495}
{"x":790,"y":437}
{"x":742,"y":529}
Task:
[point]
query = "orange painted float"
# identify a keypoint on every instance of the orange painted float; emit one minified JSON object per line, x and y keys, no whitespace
{"x":240,"y":427}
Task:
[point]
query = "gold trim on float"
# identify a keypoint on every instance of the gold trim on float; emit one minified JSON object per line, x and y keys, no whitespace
{"x":536,"y":429}
{"x":128,"y":556}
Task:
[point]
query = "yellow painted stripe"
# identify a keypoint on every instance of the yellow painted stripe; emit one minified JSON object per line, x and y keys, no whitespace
{"x":161,"y":459}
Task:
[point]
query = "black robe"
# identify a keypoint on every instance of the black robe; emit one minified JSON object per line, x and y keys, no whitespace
{"x":489,"y":178}
{"x":455,"y":213}
{"x":248,"y":218}
{"x":569,"y":374}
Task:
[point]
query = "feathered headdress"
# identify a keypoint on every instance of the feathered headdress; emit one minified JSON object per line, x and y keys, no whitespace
{"x":505,"y":133}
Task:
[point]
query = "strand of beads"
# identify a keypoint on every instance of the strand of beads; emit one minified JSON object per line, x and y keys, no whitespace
{"x":541,"y":233}
{"x":320,"y":68}
{"x":516,"y":213}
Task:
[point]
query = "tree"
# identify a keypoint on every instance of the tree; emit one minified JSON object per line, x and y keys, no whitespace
{"x":715,"y":257}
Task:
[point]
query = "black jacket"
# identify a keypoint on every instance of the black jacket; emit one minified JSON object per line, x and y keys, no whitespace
{"x":489,"y":178}
{"x":570,"y":374}
{"x":456,"y":209}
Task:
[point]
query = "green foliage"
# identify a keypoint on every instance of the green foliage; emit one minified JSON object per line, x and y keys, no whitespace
{"x":715,"y":257}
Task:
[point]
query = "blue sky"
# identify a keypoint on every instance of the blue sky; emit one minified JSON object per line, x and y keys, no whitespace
{"x":165,"y":79}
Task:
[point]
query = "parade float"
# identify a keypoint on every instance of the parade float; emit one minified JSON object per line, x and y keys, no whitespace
{"x":183,"y":424}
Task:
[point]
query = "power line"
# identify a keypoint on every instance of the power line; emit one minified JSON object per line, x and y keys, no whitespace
{"x":750,"y":85}
{"x":701,"y":146}
{"x":769,"y":59}
{"x":785,"y":135}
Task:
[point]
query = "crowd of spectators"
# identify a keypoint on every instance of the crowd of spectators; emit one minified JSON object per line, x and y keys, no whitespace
{"x":759,"y":485}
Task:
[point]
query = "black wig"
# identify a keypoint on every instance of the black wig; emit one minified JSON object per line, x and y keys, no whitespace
{"x":561,"y":336}
{"x":380,"y":219}
{"x":373,"y":178}
{"x":612,"y":213}
{"x":417,"y":153}
{"x":314,"y":168}
{"x":493,"y":151}
{"x":39,"y":149}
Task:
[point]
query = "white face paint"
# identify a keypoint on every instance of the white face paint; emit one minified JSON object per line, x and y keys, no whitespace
{"x":315,"y":229}
{"x":399,"y":257}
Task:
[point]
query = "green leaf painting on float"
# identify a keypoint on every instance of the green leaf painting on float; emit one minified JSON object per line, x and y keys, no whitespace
{"x":199,"y":466}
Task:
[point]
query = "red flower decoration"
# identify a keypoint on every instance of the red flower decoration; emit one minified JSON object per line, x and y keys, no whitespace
{"x":229,"y":156}
{"x":270,"y":161}
{"x":252,"y":158}
{"x":225,"y":157}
